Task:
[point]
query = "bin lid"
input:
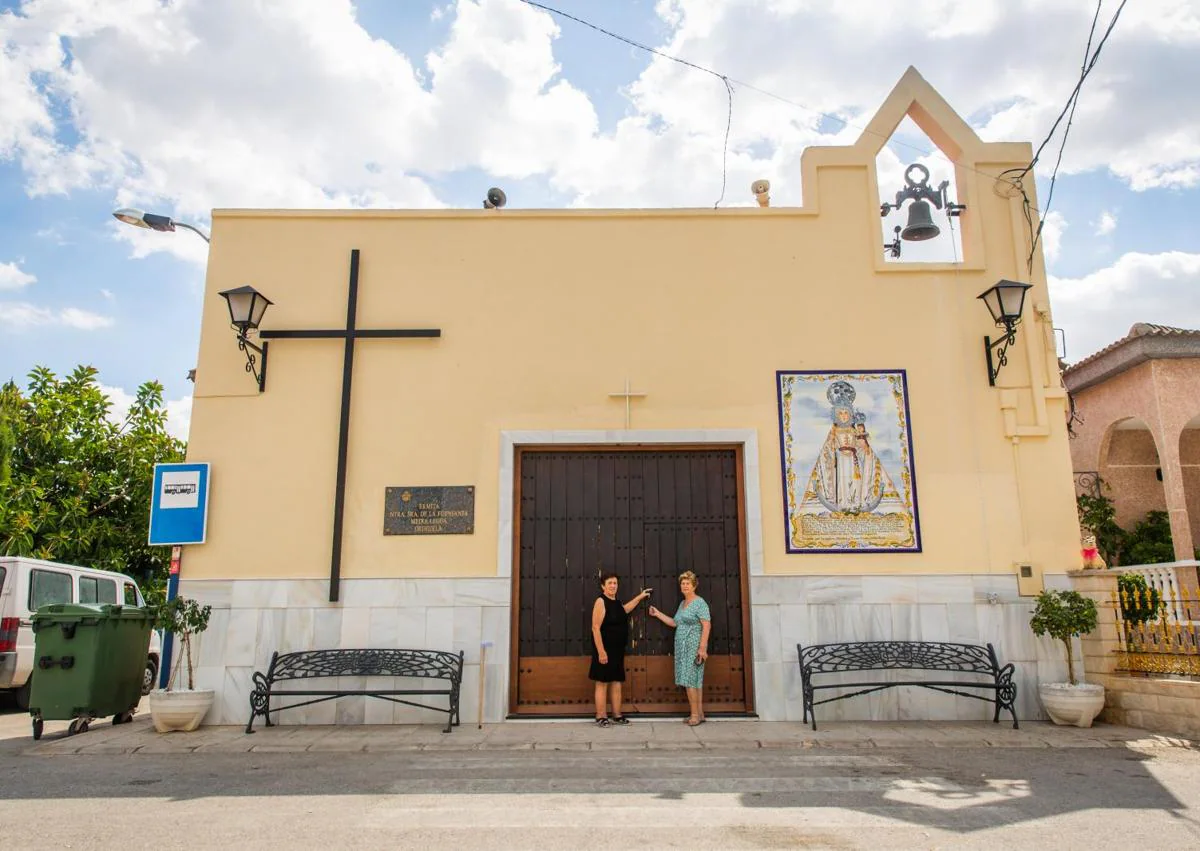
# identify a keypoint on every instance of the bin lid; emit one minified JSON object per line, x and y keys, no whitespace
{"x":75,"y":612}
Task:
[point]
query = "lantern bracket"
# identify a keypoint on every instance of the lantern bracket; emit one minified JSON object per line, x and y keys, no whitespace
{"x":253,"y":366}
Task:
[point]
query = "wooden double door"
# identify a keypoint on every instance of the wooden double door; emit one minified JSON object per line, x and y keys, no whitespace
{"x":647,"y":516}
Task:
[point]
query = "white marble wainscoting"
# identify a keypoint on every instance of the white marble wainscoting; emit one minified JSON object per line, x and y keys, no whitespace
{"x":971,"y":609}
{"x":251,"y":619}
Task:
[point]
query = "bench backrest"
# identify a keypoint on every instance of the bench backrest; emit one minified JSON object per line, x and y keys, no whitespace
{"x":884,"y":655}
{"x":437,"y":664}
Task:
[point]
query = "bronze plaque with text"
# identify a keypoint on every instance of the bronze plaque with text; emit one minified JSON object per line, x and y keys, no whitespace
{"x":429,"y":511}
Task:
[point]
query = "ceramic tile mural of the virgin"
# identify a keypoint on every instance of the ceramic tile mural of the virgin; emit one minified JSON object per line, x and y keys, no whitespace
{"x":848,"y":477}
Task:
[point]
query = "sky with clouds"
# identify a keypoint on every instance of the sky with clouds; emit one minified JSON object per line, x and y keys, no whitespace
{"x":180,"y":106}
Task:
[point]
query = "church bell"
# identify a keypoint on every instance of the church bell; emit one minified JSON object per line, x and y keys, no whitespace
{"x":920,"y":223}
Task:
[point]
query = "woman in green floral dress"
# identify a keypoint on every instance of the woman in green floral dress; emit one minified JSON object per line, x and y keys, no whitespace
{"x":693,"y":625}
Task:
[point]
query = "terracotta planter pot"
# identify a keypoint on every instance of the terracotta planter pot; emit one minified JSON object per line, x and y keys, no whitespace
{"x":179,"y":710}
{"x":1068,"y":704}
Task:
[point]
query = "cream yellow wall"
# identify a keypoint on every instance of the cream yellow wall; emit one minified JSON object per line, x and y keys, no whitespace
{"x":545,"y":313}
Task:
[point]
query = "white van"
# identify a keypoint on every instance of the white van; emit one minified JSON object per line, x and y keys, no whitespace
{"x":27,"y":584}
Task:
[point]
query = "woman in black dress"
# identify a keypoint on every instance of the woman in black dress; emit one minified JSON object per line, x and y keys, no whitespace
{"x":610,"y":632}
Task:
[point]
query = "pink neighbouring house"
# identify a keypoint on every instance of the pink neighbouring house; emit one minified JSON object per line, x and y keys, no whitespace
{"x":1137,"y":426}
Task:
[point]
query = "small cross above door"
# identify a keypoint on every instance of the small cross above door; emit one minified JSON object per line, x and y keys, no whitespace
{"x":628,"y":395}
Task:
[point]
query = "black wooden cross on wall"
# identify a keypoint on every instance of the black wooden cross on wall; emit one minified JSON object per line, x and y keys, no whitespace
{"x":349,"y":334}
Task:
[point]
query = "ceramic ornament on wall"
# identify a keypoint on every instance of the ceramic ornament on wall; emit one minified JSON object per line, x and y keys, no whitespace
{"x":847,"y":462}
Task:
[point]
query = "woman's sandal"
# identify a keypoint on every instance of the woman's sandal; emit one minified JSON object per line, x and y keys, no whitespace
{"x":694,"y":722}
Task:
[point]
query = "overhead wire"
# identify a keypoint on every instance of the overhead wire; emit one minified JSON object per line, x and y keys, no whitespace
{"x":733,"y":81}
{"x":1012,"y":176}
{"x":725,"y":150}
{"x":1016,"y":176}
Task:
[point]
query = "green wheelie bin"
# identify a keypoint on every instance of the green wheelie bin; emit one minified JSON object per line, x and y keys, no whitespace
{"x":89,"y":662}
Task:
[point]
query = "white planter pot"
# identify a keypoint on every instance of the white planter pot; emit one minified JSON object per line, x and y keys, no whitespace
{"x":1068,"y":704}
{"x":179,"y":710}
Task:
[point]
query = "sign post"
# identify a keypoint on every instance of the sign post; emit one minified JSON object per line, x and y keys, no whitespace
{"x":178,"y":515}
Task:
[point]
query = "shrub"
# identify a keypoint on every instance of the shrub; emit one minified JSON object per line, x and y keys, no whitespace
{"x":184,"y":618}
{"x":1139,"y":602}
{"x":1064,"y":615}
{"x":1150,"y":541}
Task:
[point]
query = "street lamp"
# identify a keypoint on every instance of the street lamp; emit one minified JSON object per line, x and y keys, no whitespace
{"x":246,"y":308}
{"x":1004,"y":301}
{"x":153,"y":221}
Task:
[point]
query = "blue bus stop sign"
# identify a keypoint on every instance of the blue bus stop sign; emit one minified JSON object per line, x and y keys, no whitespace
{"x":179,"y":504}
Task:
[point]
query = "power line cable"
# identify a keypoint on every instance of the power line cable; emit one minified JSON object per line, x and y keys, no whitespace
{"x":1013,"y":176}
{"x":750,"y":86}
{"x":725,"y":150}
{"x":724,"y":79}
{"x":1084,"y":71}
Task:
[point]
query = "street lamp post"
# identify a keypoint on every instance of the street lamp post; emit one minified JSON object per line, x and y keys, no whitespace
{"x":163,"y":224}
{"x":153,"y":221}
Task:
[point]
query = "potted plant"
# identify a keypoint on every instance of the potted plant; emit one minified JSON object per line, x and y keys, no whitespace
{"x":181,"y":709}
{"x":1065,"y":615}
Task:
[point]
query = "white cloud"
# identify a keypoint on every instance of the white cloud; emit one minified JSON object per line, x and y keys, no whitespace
{"x":179,"y":411}
{"x":120,"y":403}
{"x":73,"y":317}
{"x":108,"y":294}
{"x":1053,"y":227}
{"x":179,"y":416}
{"x":188,"y":106}
{"x":13,"y":277}
{"x":1099,"y":308}
{"x":1106,"y":224}
{"x":19,"y":315}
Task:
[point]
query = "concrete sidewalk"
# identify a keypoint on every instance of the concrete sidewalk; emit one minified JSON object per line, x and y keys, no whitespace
{"x":139,"y":737}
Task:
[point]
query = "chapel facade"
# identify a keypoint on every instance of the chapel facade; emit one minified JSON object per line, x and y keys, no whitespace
{"x":754,"y":394}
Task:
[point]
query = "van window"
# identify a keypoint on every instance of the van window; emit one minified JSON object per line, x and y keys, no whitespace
{"x":93,"y":589}
{"x":130,"y":595}
{"x":48,"y":586}
{"x":1,"y":578}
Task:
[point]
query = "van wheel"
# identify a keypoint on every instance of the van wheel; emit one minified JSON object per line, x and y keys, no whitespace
{"x":150,"y":677}
{"x":22,"y":695}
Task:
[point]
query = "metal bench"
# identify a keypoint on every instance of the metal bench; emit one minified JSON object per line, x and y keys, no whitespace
{"x":845,"y":657}
{"x":322,"y":664}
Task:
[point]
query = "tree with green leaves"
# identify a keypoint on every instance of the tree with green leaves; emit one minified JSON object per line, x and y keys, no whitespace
{"x":1064,"y":615}
{"x":183,"y":618}
{"x":74,"y":485}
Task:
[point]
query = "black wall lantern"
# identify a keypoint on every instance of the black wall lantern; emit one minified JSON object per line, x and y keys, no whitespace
{"x":1005,"y":301}
{"x":246,"y":308}
{"x":920,"y":218}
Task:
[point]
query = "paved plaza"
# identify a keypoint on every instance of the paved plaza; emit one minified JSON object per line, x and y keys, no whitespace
{"x":670,"y":735}
{"x":548,"y":785}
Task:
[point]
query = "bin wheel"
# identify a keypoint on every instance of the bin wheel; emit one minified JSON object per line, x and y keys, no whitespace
{"x":149,"y":676}
{"x":79,"y":725}
{"x":122,"y":718}
{"x":37,"y":728}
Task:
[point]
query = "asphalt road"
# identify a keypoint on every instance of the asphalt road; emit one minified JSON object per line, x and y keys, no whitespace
{"x":951,"y":797}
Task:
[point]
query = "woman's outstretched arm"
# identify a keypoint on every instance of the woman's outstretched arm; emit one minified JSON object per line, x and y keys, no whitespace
{"x":633,"y":604}
{"x":655,"y":613}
